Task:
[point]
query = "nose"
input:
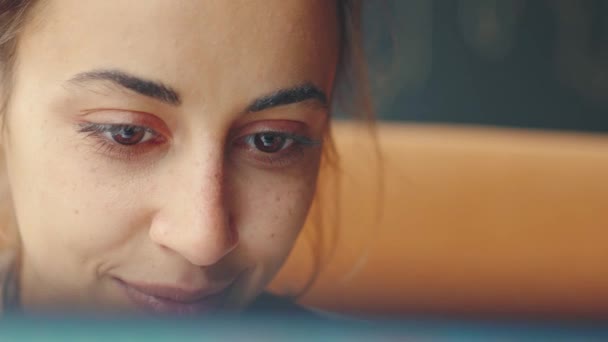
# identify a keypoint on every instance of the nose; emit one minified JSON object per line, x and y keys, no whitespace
{"x":195,"y":221}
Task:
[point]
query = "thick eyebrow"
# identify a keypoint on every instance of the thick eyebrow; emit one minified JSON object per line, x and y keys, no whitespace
{"x":166,"y":94}
{"x":152,"y":89}
{"x":300,"y":93}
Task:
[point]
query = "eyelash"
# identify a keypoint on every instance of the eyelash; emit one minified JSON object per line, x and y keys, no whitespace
{"x":106,"y":145}
{"x":293,"y":150}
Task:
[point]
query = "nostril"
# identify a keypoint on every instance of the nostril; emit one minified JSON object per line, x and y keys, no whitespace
{"x":233,"y":237}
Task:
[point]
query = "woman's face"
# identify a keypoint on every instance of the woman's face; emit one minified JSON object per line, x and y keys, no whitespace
{"x":163,"y":154}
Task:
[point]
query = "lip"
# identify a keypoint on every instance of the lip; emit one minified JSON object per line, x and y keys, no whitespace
{"x":173,"y":300}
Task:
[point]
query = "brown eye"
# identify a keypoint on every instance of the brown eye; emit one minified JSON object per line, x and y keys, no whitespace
{"x":269,"y":142}
{"x":129,"y":135}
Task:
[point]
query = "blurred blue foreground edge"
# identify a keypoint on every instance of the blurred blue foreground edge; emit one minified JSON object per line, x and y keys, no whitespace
{"x":269,"y":327}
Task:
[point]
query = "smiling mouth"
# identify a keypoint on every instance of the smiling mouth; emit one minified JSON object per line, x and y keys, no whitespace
{"x":167,"y":300}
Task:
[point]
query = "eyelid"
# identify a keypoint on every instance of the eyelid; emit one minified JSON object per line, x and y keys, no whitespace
{"x":109,"y":127}
{"x":289,"y":127}
{"x":301,"y":139}
{"x":127,"y":117}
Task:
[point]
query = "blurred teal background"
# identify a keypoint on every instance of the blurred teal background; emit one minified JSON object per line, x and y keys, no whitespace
{"x":275,"y":328}
{"x":519,"y":63}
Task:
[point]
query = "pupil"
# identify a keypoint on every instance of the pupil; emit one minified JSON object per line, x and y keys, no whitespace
{"x":269,"y":143}
{"x":128,"y":132}
{"x":268,"y":140}
{"x":129,"y":135}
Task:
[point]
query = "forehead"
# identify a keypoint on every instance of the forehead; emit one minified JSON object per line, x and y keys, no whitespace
{"x":216,"y":47}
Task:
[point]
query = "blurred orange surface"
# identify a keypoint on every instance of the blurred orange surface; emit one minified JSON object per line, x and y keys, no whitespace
{"x":472,"y":220}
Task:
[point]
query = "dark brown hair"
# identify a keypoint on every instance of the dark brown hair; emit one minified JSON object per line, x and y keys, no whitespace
{"x":12,"y":18}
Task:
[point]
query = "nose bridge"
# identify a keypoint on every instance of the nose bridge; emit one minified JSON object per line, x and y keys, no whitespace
{"x":197,"y":222}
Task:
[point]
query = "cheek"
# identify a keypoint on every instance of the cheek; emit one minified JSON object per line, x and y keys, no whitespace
{"x":67,"y":207}
{"x":272,"y":211}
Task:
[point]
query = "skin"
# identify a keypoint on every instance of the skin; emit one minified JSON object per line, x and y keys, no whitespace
{"x":197,"y":206}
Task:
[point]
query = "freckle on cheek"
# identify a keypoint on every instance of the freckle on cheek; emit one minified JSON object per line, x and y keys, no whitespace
{"x":76,"y":211}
